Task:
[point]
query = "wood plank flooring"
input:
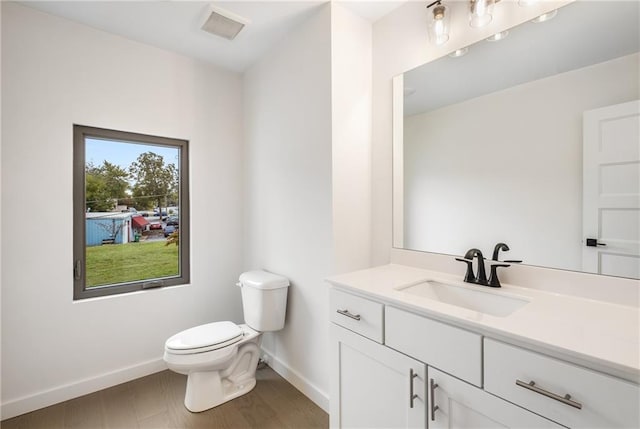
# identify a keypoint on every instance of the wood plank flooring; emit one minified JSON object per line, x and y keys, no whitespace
{"x":156,"y":402}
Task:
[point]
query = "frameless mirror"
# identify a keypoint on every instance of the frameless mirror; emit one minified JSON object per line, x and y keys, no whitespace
{"x":532,"y":141}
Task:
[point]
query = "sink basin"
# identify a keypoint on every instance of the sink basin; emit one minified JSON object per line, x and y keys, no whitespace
{"x":471,"y":299}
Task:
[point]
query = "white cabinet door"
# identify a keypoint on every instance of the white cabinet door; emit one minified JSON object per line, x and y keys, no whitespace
{"x":373,"y":386}
{"x":456,"y":404}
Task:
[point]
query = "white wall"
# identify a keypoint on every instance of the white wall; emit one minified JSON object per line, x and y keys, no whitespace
{"x":307,"y":116}
{"x":501,"y":155}
{"x":288,"y":192}
{"x":351,"y":138}
{"x":57,"y":73}
{"x":1,"y":260}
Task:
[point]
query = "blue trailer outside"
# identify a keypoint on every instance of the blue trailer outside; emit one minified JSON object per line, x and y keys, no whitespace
{"x":102,"y":228}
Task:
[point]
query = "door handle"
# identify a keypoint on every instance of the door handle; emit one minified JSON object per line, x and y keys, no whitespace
{"x":593,"y":242}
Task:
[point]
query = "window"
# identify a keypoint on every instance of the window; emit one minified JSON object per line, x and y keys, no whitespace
{"x":131,"y":212}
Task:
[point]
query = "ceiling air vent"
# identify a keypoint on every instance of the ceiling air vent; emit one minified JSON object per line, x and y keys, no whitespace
{"x":224,"y":23}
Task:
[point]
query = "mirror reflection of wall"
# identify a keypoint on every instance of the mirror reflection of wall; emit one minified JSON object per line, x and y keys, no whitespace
{"x":501,"y":159}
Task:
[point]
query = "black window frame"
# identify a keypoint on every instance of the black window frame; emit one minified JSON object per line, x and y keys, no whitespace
{"x":80,"y":133}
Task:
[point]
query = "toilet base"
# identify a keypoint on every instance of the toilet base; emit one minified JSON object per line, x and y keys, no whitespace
{"x":208,"y":389}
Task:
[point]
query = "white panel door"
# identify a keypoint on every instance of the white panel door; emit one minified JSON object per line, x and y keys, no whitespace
{"x":454,"y":404}
{"x":611,"y":201}
{"x":373,"y":386}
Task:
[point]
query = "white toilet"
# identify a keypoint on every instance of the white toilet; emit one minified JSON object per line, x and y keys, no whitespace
{"x":220,"y":358}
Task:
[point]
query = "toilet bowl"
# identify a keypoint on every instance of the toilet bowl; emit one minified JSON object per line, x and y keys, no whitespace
{"x":220,"y":358}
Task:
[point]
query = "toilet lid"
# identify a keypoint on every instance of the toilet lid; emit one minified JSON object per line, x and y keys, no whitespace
{"x":211,"y":334}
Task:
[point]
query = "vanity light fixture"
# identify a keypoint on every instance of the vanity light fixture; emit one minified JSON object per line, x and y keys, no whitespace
{"x":480,"y":12}
{"x":459,"y":52}
{"x":438,"y":22}
{"x":498,"y":36}
{"x":545,"y":17}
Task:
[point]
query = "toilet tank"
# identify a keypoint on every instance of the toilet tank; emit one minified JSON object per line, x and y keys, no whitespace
{"x":264,"y":299}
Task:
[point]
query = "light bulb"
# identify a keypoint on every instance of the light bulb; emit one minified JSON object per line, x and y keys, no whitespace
{"x":481,"y":13}
{"x":545,"y":16}
{"x":438,"y":26}
{"x":459,"y":52}
{"x":498,"y":36}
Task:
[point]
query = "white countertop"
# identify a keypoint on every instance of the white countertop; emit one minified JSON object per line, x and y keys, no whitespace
{"x":595,"y":334}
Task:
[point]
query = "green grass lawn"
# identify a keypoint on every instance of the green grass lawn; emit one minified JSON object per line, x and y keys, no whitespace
{"x":118,"y":263}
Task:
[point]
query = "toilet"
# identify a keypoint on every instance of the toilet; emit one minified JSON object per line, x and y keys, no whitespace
{"x":220,"y":358}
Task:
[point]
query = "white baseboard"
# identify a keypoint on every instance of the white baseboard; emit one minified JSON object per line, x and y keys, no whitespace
{"x":65,"y":392}
{"x":45,"y":398}
{"x":310,"y":390}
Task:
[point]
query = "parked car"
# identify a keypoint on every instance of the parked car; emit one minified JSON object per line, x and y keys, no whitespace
{"x":155,"y":225}
{"x":173,"y":220}
{"x":168,"y":230}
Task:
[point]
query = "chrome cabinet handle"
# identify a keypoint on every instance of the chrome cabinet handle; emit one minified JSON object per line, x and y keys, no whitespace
{"x":434,"y":407}
{"x":346,"y":312}
{"x":412,"y":395}
{"x":566,"y":399}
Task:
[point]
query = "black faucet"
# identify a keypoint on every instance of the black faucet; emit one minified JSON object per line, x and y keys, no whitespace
{"x":493,"y":277}
{"x":481,"y":277}
{"x":498,"y":248}
{"x":470,"y":277}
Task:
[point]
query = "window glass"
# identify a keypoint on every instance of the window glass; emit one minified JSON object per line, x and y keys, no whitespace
{"x":131,"y":212}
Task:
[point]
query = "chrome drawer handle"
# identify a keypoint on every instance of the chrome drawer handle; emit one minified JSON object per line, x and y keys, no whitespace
{"x":566,"y":399}
{"x":346,"y":312}
{"x":412,"y":395}
{"x":432,"y":390}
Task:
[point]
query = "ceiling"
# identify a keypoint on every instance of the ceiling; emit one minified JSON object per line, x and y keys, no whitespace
{"x":175,"y":25}
{"x":580,"y":35}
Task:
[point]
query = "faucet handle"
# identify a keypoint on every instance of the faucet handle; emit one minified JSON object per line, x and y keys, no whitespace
{"x":472,"y":253}
{"x":512,"y":261}
{"x":469,"y":277}
{"x":493,"y":277}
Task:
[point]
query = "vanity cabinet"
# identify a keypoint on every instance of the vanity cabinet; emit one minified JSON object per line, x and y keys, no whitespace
{"x":395,"y":368}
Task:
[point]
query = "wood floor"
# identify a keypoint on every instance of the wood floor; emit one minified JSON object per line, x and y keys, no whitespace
{"x":156,"y":402}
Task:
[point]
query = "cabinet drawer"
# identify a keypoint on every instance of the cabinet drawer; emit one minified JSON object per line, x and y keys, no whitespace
{"x":596,"y":399}
{"x":357,"y":314}
{"x":449,"y":349}
{"x":452,"y":403}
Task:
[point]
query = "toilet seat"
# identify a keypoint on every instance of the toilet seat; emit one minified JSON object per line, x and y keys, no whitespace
{"x":204,"y":338}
